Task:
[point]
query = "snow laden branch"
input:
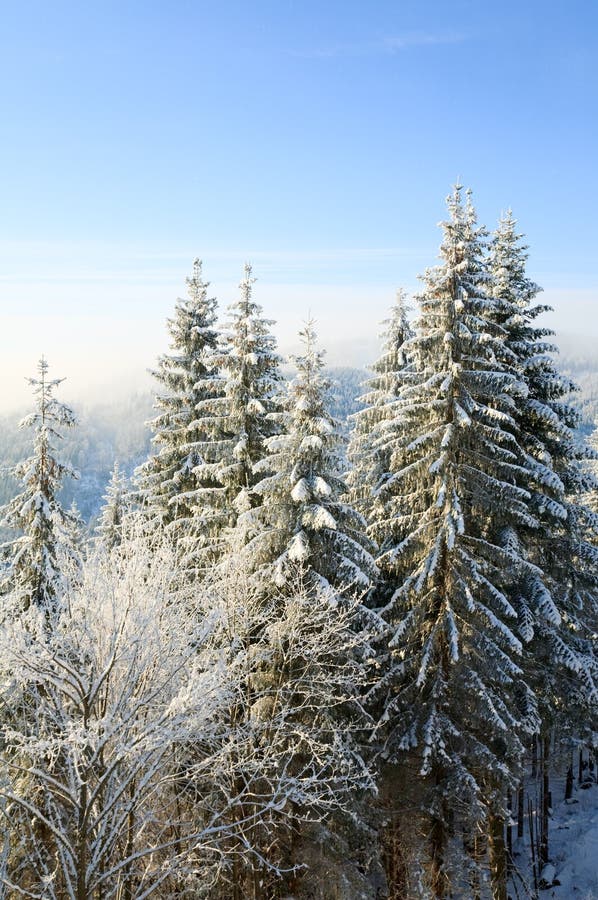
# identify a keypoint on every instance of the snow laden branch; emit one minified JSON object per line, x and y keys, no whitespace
{"x":151,"y":745}
{"x":294,"y":726}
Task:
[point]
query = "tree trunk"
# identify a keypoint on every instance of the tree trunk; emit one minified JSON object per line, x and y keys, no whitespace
{"x":497,"y":853}
{"x":394,"y":860}
{"x":545,"y":799}
{"x":510,"y":833}
{"x":82,"y":845}
{"x":437,"y":854}
{"x":520,"y":809}
{"x":392,"y":849}
{"x":532,"y":843}
{"x":127,"y":890}
{"x":474,"y":847}
{"x":569,"y":782}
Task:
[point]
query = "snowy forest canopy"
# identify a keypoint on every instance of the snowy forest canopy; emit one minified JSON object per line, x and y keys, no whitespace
{"x":319,"y":638}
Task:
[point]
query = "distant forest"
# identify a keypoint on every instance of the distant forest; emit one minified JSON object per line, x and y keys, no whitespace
{"x":118,"y":432}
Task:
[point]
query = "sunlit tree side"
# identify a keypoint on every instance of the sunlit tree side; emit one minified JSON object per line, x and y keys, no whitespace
{"x":253,"y":389}
{"x":38,"y":556}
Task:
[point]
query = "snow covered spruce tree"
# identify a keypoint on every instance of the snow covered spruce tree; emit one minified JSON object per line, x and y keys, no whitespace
{"x":558,"y":615}
{"x":182,"y":484}
{"x":251,"y":368}
{"x":368,"y":464}
{"x":37,"y":558}
{"x":451,"y":690}
{"x":114,"y":509}
{"x":303,"y":520}
{"x":557,"y":624}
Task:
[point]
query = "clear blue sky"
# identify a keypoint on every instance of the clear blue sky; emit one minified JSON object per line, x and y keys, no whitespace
{"x":316,"y":139}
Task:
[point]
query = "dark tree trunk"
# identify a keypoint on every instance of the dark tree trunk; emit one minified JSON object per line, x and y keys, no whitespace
{"x":128,"y":885}
{"x":545,"y":799}
{"x":393,"y":857}
{"x":532,"y":844}
{"x":510,"y":832}
{"x":437,"y":853}
{"x":569,"y":782}
{"x":497,"y":853}
{"x":520,"y":809}
{"x":475,"y":846}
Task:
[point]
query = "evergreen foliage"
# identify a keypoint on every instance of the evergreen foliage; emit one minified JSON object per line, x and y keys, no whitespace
{"x":36,"y":557}
{"x":114,"y":509}
{"x":304,"y":548}
{"x":557,"y":615}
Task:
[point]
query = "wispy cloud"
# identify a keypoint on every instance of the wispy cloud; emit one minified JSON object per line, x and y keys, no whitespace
{"x":388,"y":45}
{"x":421,"y":39}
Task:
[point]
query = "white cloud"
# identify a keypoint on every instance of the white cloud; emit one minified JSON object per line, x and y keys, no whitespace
{"x":386,"y":45}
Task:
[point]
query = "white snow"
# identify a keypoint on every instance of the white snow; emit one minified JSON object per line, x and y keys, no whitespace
{"x":574,"y":846}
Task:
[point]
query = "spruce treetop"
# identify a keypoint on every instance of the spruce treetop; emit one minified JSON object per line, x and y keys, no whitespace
{"x":189,"y":426}
{"x":252,"y":387}
{"x":304,"y":522}
{"x":114,"y":509}
{"x":371,"y":441}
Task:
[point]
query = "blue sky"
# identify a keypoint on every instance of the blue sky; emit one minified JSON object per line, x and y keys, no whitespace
{"x":317,"y":140}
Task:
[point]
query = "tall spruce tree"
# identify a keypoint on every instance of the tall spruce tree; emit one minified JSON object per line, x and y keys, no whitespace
{"x":557,"y":613}
{"x":36,"y":559}
{"x":304,"y":521}
{"x":368,"y":463}
{"x":253,"y":392}
{"x":563,"y":617}
{"x":453,"y":486}
{"x":183,"y":483}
